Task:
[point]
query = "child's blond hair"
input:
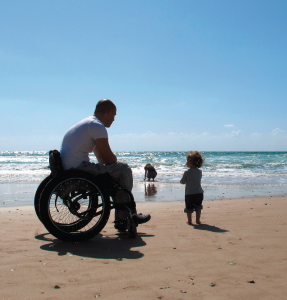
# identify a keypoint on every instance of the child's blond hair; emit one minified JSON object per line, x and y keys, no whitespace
{"x":196,"y":158}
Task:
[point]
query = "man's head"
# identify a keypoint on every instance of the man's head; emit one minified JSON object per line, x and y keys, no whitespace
{"x":105,"y":111}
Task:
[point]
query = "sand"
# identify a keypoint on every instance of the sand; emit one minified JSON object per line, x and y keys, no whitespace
{"x":239,"y":252}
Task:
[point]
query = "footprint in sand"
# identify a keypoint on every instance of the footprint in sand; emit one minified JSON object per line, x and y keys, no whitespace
{"x":133,"y":288}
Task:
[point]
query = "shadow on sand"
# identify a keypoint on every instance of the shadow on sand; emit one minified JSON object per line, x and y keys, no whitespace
{"x":101,"y":246}
{"x":209,"y":228}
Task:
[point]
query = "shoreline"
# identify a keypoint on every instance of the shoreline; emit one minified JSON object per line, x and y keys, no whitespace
{"x":238,"y":252}
{"x":22,"y":193}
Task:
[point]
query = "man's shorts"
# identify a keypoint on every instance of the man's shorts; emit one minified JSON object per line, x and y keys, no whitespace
{"x":193,"y":202}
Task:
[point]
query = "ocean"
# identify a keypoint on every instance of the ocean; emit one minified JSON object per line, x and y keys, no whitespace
{"x":241,"y":170}
{"x":219,"y":168}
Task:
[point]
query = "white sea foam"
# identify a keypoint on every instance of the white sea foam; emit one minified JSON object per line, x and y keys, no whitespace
{"x":219,"y":167}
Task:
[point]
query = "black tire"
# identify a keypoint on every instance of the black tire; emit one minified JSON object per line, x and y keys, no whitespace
{"x":37,"y":197}
{"x":132,"y":228}
{"x":67,"y":227}
{"x":85,"y":195}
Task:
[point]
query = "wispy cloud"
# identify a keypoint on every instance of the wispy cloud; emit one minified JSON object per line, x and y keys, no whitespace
{"x":229,"y":125}
{"x":278,"y":131}
{"x":237,"y":133}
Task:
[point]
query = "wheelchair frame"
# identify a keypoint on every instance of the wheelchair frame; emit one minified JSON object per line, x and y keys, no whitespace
{"x":75,"y":205}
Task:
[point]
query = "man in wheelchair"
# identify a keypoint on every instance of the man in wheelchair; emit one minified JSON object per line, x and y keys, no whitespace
{"x":90,"y":135}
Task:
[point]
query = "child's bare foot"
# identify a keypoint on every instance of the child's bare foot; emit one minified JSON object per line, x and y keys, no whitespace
{"x":189,"y":223}
{"x":198,"y":222}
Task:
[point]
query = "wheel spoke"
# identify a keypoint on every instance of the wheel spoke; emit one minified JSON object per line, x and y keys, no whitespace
{"x":84,"y":196}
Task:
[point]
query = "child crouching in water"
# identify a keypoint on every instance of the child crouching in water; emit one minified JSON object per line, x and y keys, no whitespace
{"x":193,"y":190}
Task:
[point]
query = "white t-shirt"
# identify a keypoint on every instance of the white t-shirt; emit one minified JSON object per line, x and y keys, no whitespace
{"x":192,"y":180}
{"x":79,"y":141}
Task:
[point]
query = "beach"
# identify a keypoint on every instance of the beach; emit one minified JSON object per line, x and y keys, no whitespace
{"x":239,"y":252}
{"x":98,"y":97}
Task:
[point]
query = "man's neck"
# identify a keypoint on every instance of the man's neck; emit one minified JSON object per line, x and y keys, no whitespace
{"x":98,"y":117}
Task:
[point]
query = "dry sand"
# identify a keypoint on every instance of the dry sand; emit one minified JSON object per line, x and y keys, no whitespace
{"x":240,"y":241}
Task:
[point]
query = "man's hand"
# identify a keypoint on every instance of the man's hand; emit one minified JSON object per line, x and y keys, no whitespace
{"x":103,"y":152}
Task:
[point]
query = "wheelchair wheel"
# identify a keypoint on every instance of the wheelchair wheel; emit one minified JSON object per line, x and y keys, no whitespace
{"x":74,"y":207}
{"x":38,"y":193}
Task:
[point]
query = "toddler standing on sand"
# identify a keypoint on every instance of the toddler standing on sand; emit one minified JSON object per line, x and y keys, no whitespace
{"x":193,"y":190}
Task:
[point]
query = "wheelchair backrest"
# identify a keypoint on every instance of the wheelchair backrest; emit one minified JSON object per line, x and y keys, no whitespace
{"x":55,"y":162}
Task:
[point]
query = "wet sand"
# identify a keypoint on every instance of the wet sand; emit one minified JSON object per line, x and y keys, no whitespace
{"x":239,"y":252}
{"x":22,"y":193}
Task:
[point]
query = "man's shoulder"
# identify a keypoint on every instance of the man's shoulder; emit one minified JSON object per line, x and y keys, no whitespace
{"x":91,"y":121}
{"x":95,"y":121}
{"x":97,"y":129}
{"x":88,"y":124}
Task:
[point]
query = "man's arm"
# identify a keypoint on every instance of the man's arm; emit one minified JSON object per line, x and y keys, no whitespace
{"x":98,"y":155}
{"x":103,"y":152}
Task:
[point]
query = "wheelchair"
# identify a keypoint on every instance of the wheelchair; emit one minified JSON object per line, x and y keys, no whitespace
{"x":75,"y":205}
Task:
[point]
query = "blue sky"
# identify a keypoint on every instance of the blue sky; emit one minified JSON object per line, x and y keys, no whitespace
{"x":208,"y":75}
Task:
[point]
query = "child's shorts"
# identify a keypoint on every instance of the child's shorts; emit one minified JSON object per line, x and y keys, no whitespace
{"x":193,"y":202}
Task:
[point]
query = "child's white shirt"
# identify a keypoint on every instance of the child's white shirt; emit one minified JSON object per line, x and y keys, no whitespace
{"x":192,"y":180}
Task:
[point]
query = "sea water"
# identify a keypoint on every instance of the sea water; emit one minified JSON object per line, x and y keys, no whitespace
{"x":241,"y":170}
{"x":219,"y":168}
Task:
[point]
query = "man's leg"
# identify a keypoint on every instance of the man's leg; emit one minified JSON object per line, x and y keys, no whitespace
{"x":122,"y":173}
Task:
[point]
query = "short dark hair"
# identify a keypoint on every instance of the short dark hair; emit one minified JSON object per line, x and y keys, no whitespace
{"x":196,"y":158}
{"x":104,"y":106}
